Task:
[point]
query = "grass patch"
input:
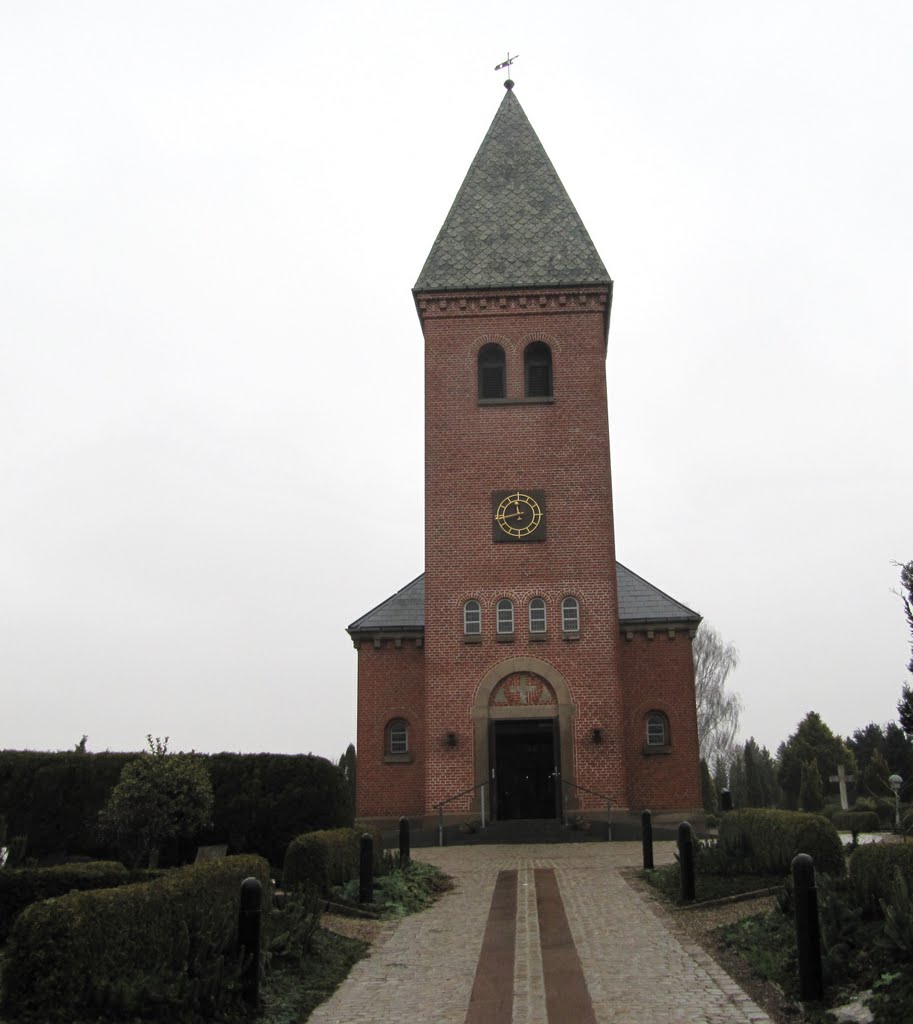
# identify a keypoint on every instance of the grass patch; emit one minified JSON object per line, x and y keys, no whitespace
{"x":667,"y":880}
{"x":294,"y":989}
{"x":403,"y":891}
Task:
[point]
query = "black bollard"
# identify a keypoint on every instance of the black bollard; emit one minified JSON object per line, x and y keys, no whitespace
{"x":686,"y":861}
{"x":366,"y":873}
{"x":646,"y":838}
{"x":808,"y":935}
{"x":249,"y":939}
{"x":403,"y":842}
{"x":725,"y":800}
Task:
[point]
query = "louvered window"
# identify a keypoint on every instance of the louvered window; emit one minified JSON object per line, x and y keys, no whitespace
{"x":492,"y":372}
{"x":537,"y":365}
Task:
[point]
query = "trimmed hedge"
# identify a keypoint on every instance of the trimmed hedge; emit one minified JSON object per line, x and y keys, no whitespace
{"x":262,"y":801}
{"x":155,"y":949}
{"x":21,"y":887}
{"x":327,"y":858}
{"x":872,"y":870}
{"x":856,"y":821}
{"x":766,"y":840}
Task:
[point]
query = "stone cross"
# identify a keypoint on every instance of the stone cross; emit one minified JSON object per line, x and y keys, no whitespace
{"x":841,"y":778}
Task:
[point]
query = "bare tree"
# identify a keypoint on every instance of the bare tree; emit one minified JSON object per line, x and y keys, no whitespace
{"x":717,"y":708}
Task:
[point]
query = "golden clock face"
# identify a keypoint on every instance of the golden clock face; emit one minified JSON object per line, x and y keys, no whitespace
{"x":518,"y":515}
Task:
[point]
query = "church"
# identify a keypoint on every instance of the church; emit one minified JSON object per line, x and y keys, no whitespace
{"x":526,"y":674}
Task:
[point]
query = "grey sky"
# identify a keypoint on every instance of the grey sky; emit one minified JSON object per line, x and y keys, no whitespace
{"x":211,"y":368}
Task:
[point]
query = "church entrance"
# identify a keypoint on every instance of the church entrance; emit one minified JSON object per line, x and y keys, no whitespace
{"x":524,"y":753}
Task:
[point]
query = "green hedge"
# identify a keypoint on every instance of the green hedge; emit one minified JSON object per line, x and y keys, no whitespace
{"x":21,"y":887}
{"x":872,"y":869}
{"x":327,"y":858}
{"x":262,"y":801}
{"x":156,"y":949}
{"x":856,"y":821}
{"x":766,"y":840}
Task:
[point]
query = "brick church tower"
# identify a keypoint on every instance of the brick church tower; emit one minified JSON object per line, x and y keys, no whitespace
{"x":526,"y":668}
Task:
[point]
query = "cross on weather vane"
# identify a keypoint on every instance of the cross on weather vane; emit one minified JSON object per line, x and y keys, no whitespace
{"x":506,"y":64}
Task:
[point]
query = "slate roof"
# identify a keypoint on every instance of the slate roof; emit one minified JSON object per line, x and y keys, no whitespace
{"x":512,"y":224}
{"x":638,"y":602}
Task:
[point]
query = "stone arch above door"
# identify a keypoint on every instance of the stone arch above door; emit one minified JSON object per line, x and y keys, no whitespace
{"x":484,"y":710}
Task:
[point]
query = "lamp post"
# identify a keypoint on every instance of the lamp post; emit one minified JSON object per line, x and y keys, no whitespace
{"x":896,"y":782}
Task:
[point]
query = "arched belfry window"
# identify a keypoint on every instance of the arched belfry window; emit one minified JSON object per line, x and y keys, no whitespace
{"x":537,"y":620}
{"x":397,"y":739}
{"x":537,"y":369}
{"x":492,"y":372}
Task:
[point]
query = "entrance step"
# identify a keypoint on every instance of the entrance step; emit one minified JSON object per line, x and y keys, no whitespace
{"x":530,"y":830}
{"x":535,"y":830}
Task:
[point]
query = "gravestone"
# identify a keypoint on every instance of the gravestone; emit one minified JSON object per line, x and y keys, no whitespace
{"x":841,"y":778}
{"x":216,"y":852}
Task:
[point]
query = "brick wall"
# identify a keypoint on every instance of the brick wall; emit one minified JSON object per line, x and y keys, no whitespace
{"x":390,"y":685}
{"x":561,"y":448}
{"x":659,"y":676}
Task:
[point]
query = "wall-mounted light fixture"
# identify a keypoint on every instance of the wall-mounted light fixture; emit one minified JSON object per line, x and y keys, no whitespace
{"x":450,"y":739}
{"x":597,"y":735}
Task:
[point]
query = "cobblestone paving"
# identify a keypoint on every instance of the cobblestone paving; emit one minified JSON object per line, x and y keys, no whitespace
{"x":422,"y":970}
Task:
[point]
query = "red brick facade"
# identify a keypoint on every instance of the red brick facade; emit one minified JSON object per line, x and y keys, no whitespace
{"x":541,"y":719}
{"x":614,"y":678}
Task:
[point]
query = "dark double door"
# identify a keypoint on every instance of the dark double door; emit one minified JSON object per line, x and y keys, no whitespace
{"x":524,"y":755}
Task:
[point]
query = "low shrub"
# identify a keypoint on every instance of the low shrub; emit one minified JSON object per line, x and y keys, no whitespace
{"x":829,"y":810}
{"x":765,"y":841}
{"x":856,"y":821}
{"x":872,"y":870}
{"x":327,"y":858}
{"x":155,"y":949}
{"x":21,"y":887}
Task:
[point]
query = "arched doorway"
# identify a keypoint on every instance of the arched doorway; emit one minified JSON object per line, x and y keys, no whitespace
{"x":523,"y":745}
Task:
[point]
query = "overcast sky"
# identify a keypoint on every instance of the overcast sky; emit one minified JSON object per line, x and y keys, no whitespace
{"x":211,"y":217}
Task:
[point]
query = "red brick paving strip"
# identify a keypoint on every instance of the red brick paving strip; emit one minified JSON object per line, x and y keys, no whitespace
{"x":566,"y":994}
{"x":492,"y":999}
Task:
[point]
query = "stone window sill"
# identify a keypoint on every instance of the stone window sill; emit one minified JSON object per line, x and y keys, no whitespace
{"x":657,"y":749}
{"x":572,"y":636}
{"x":543,"y":400}
{"x":505,"y":638}
{"x":538,"y":638}
{"x":471,"y":638}
{"x":406,"y":758}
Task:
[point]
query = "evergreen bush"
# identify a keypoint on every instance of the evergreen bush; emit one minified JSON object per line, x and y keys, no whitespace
{"x":766,"y":841}
{"x":155,"y":949}
{"x":21,"y":887}
{"x":856,"y":821}
{"x":872,"y":870}
{"x":327,"y":858}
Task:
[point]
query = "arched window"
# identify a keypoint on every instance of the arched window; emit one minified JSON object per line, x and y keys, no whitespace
{"x":505,"y":616}
{"x":537,"y":369}
{"x":657,"y":730}
{"x":570,"y":615}
{"x":397,"y":738}
{"x":537,"y":622}
{"x":472,"y":619}
{"x":492,"y":372}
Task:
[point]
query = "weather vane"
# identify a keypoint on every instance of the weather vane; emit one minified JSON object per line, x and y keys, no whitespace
{"x":506,"y":64}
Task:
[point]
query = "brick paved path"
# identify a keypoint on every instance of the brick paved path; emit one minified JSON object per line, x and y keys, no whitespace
{"x":428,"y":967}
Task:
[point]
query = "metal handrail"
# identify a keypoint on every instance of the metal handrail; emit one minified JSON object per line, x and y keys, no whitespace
{"x":456,"y":796}
{"x":592,"y":792}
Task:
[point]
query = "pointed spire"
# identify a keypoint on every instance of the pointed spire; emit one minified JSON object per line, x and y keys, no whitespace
{"x":512,"y":224}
